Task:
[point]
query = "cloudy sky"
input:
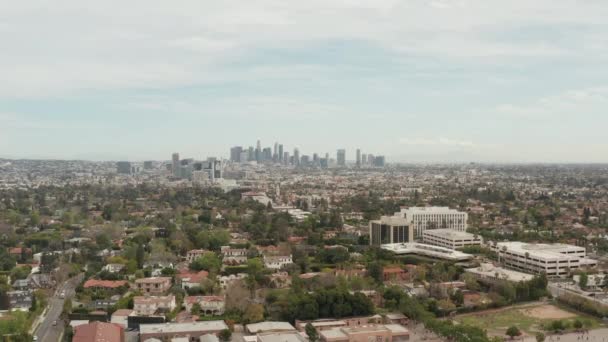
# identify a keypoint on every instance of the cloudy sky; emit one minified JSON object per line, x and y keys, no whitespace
{"x":417,"y":80}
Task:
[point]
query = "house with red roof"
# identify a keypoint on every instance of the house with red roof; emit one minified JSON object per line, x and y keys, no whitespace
{"x":99,"y":332}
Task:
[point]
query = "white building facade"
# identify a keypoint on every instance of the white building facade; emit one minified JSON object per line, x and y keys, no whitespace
{"x":451,"y":239}
{"x":423,"y":218}
{"x":554,"y":260}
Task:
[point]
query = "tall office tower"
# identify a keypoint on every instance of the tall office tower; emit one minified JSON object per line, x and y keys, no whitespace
{"x":275,"y":152}
{"x":235,"y":154}
{"x":123,"y":167}
{"x":315,"y":159}
{"x":267,"y":154}
{"x":370,"y":159}
{"x":250,"y":154}
{"x":324,"y":163}
{"x":148,"y":165}
{"x":286,"y":158}
{"x":390,"y":229}
{"x":258,"y":152}
{"x":358,"y":158}
{"x":379,"y":161}
{"x":341,"y":157}
{"x":244,"y":157}
{"x":305,"y":160}
{"x":175,"y":162}
{"x":296,"y":157}
{"x":364,"y":159}
{"x":423,"y":218}
{"x":280,"y":152}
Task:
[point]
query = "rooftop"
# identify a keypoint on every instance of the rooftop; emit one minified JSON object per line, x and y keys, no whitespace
{"x":269,"y":326}
{"x":182,"y":327}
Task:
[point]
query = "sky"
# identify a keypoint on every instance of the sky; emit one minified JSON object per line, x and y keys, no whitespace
{"x":415,"y":80}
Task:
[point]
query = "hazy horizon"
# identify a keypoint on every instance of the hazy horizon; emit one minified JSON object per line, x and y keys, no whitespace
{"x":433,"y":81}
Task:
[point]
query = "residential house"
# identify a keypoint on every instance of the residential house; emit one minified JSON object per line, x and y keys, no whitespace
{"x":99,"y":332}
{"x":188,"y":279}
{"x":191,"y":330}
{"x":149,"y":305}
{"x":277,"y":262}
{"x":210,"y":305}
{"x":153,"y":285}
{"x":195,"y":254}
{"x":113,"y":268}
{"x":19,"y":300}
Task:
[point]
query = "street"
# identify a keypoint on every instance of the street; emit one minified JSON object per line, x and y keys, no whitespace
{"x":46,"y":331}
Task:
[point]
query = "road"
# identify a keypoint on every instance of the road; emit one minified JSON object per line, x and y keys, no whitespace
{"x":47,"y":331}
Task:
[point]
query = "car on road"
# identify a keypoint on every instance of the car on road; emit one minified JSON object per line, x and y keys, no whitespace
{"x":62,"y":295}
{"x":54,"y":323}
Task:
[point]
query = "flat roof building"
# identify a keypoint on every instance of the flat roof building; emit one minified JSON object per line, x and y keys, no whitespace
{"x":167,"y":331}
{"x":390,"y":229}
{"x":450,"y":238}
{"x":427,"y":250}
{"x":492,"y":273}
{"x":423,"y":218}
{"x":554,"y":260}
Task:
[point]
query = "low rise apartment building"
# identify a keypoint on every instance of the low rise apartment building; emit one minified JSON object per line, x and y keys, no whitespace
{"x":153,"y":285}
{"x":149,"y":305}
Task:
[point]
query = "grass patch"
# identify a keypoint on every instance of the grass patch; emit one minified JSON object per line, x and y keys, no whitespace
{"x":497,"y":322}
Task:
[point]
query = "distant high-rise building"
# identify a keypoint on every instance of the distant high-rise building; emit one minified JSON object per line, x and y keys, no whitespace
{"x":235,"y":154}
{"x":296,"y":157}
{"x":286,"y":158}
{"x":390,"y":229}
{"x":244,"y":157}
{"x":123,"y":167}
{"x":315,"y":159}
{"x":258,"y":152}
{"x":280,"y":152}
{"x":370,"y":159}
{"x":379,"y":161}
{"x":358,"y":158}
{"x":364,"y":159}
{"x":250,"y":154}
{"x":341,"y":157}
{"x":275,"y":152}
{"x":305,"y":160}
{"x":148,"y":165}
{"x":267,"y":154}
{"x":175,"y":163}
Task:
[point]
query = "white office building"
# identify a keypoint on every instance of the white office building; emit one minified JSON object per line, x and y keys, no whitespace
{"x":427,"y":250}
{"x":390,"y":229}
{"x":555,"y":260}
{"x":451,"y":239}
{"x":423,"y":218}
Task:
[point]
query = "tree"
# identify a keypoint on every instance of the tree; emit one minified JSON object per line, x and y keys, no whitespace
{"x":34,"y":303}
{"x":583,"y":280}
{"x":578,"y":324}
{"x":196,"y":309}
{"x":311,"y":332}
{"x":254,"y":313}
{"x":375,"y":271}
{"x":540,"y":337}
{"x":139,"y":256}
{"x":513,"y":331}
{"x":225,"y":335}
{"x":208,"y":262}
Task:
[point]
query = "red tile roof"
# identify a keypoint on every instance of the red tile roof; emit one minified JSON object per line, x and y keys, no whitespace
{"x":110,"y":284}
{"x":98,"y":332}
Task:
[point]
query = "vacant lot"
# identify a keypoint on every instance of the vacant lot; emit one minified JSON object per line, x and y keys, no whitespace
{"x":529,"y":319}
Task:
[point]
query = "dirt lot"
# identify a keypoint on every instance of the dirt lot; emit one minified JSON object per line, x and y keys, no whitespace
{"x":547,"y":312}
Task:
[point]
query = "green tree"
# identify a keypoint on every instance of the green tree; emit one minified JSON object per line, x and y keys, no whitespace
{"x":375,"y":270}
{"x":254,"y":313}
{"x":540,"y":337}
{"x":513,"y":331}
{"x":583,"y":280}
{"x":139,"y":255}
{"x":34,"y":303}
{"x":225,"y":335}
{"x":311,"y":332}
{"x":577,"y":324}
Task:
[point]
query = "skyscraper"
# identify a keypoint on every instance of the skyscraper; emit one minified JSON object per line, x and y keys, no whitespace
{"x":275,"y":152}
{"x":258,"y":152}
{"x":280,"y":152}
{"x":358,"y":158}
{"x":296,"y":157}
{"x":235,"y":154}
{"x":341,"y":157}
{"x":176,"y":166}
{"x":364,"y":159}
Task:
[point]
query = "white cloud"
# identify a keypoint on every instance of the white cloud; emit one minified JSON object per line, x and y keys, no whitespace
{"x":59,"y":48}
